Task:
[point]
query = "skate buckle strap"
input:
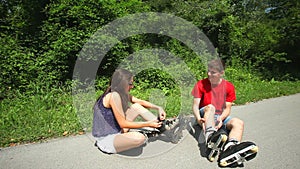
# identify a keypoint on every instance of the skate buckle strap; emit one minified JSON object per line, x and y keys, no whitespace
{"x":210,"y":129}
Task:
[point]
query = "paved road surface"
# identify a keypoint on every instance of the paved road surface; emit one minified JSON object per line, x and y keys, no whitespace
{"x":273,"y":124}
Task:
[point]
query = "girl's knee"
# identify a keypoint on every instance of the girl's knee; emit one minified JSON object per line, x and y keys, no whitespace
{"x":136,"y":106}
{"x":138,"y":139}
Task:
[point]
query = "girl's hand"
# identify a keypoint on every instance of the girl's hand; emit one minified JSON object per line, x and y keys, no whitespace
{"x":161,"y":113}
{"x":155,"y":124}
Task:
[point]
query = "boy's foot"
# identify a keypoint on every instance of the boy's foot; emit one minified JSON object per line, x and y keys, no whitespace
{"x":215,"y":143}
{"x":237,"y":154}
{"x":209,"y":132}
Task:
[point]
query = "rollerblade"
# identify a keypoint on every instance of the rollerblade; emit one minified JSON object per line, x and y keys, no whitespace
{"x":172,"y":128}
{"x":215,"y":144}
{"x":237,"y":154}
{"x":149,"y":131}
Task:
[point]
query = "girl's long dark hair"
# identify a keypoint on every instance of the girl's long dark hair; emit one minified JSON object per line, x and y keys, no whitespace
{"x":120,"y":83}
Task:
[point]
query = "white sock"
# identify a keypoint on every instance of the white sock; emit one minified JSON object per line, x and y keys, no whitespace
{"x":209,"y":131}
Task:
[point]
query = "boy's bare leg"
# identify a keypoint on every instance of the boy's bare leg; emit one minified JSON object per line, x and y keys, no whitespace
{"x":236,"y":127}
{"x":209,"y":114}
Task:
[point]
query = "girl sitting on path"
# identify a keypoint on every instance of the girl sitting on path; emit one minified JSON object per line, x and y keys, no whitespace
{"x":113,"y":116}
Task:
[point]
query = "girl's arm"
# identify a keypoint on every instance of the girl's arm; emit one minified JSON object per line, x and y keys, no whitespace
{"x":116,"y":105}
{"x":144,"y":103}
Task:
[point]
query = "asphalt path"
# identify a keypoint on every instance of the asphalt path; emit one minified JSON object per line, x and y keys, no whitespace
{"x":273,"y":124}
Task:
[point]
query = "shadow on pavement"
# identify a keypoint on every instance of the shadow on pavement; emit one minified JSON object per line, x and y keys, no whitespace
{"x":196,"y":131}
{"x":136,"y":152}
{"x":189,"y":123}
{"x":162,"y":142}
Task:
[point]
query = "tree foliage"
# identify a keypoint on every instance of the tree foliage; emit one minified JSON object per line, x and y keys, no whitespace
{"x":41,"y":39}
{"x":248,"y":32}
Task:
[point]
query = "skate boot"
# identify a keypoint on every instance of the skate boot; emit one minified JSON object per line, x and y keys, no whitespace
{"x":215,"y":143}
{"x":237,"y":154}
{"x":149,"y":131}
{"x":172,"y":128}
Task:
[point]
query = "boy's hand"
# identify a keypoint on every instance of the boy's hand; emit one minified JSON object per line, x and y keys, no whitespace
{"x":219,"y":123}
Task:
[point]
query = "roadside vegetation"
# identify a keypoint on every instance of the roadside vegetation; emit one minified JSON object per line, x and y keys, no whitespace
{"x":41,"y":40}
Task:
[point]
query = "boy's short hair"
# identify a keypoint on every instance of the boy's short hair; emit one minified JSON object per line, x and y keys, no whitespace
{"x":217,"y":64}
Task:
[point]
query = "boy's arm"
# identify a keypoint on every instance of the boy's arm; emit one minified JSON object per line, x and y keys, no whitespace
{"x":226,"y":111}
{"x":225,"y":114}
{"x":195,"y":107}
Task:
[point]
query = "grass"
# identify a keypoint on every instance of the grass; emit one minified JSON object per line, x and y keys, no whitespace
{"x":50,"y":113}
{"x":255,"y":91}
{"x":251,"y":88}
{"x":37,"y":117}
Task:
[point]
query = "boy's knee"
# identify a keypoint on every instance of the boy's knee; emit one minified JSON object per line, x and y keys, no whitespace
{"x":209,"y":108}
{"x":238,"y":122}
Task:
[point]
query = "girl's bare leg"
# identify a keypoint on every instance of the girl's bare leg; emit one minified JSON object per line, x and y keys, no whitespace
{"x":136,"y":110}
{"x":129,"y":140}
{"x":126,"y":141}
